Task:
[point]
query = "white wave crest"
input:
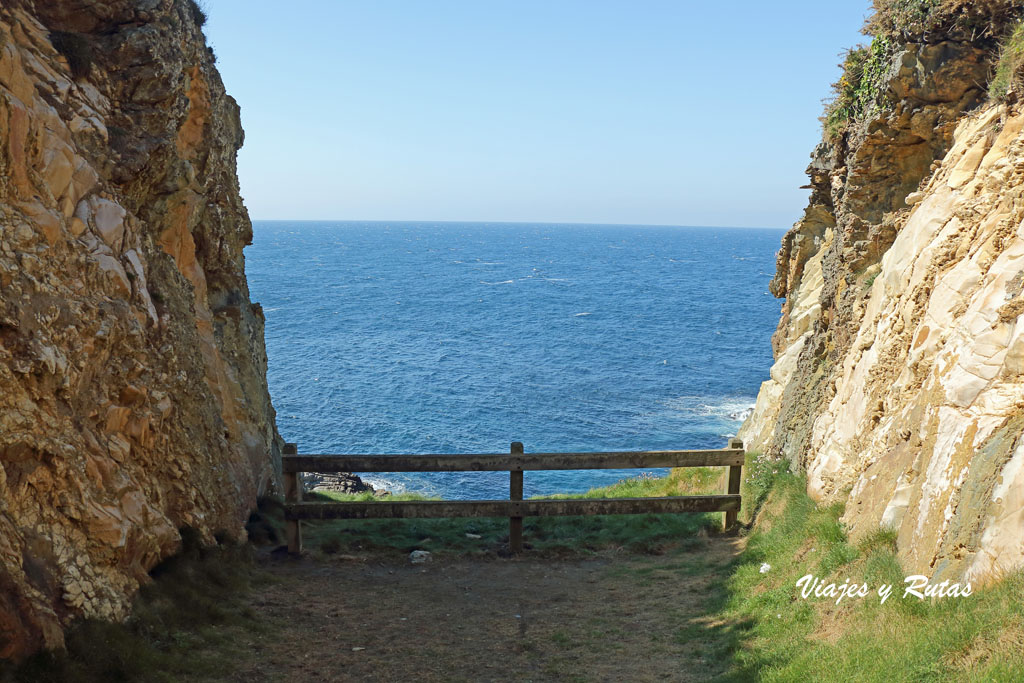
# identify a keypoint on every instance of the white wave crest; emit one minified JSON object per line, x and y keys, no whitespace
{"x":384,"y":483}
{"x":733,"y":409}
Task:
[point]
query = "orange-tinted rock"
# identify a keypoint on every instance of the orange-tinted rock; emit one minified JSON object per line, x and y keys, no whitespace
{"x":124,"y":414}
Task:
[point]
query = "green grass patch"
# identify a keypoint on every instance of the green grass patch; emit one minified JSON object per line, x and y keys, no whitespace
{"x":184,"y":625}
{"x":546,"y":535}
{"x":759,"y":475}
{"x":330,"y":537}
{"x":1009,"y":68}
{"x":682,"y":481}
{"x":365,"y":496}
{"x":787,"y":638}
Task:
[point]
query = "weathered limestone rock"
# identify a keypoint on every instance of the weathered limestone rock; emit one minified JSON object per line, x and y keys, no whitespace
{"x":898,"y":381}
{"x":133,"y":398}
{"x":918,"y":422}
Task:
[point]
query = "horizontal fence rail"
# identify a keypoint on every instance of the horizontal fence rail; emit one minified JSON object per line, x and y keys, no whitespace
{"x":515,"y":462}
{"x":492,"y":462}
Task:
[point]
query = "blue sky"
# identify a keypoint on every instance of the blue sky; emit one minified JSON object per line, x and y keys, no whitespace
{"x":642,"y":111}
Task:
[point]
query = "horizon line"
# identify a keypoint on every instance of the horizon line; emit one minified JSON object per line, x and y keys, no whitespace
{"x":508,"y":222}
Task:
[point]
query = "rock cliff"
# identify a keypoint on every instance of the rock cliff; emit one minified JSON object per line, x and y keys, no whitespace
{"x":133,"y":398}
{"x":898,"y":384}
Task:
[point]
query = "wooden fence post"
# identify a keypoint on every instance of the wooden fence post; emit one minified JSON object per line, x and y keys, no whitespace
{"x":515,"y":486}
{"x":735,"y":476}
{"x":293,"y":494}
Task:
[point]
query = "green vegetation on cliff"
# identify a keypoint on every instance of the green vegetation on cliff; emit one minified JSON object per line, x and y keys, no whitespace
{"x":789,"y":638}
{"x":860,"y":91}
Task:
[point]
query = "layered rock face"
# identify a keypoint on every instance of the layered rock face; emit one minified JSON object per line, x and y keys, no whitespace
{"x":133,"y":397}
{"x":899,"y":376}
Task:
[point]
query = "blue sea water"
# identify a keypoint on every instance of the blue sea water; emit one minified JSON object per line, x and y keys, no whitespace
{"x":461,"y":338}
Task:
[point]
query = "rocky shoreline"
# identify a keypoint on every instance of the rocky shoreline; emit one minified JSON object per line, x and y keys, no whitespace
{"x":339,"y":482}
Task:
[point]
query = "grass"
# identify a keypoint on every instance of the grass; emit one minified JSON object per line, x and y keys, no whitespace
{"x":191,"y":622}
{"x":1008,"y":70}
{"x":763,"y":625}
{"x":980,"y":637}
{"x":544,"y":535}
{"x":184,"y":624}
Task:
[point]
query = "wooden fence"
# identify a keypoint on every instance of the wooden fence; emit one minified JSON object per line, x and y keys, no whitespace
{"x":515,"y":462}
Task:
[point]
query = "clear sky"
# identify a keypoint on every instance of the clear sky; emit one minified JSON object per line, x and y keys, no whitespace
{"x":625,"y":111}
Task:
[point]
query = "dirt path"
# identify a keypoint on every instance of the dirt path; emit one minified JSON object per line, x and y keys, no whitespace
{"x":613,"y":618}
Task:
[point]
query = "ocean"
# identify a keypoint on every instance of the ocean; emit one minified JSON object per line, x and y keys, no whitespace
{"x":463,"y":337}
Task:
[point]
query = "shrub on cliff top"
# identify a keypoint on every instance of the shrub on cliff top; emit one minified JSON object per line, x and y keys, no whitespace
{"x":198,"y":12}
{"x":859,"y":92}
{"x":914,"y":20}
